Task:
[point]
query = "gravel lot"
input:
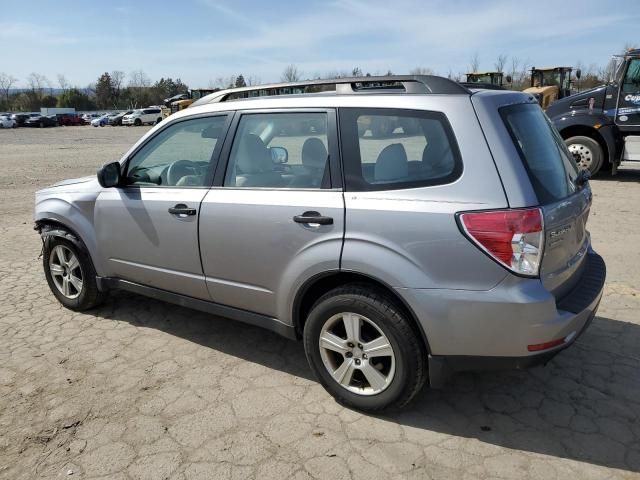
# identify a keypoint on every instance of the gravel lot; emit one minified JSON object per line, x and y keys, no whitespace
{"x":142,"y":389}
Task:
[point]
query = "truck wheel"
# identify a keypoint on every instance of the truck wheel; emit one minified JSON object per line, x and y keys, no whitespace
{"x":70,"y":274}
{"x":587,"y":153}
{"x":363,"y":349}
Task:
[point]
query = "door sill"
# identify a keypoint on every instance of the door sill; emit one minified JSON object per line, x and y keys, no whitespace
{"x":245,"y":316}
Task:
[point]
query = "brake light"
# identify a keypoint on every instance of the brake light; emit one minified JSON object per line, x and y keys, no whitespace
{"x":513,"y":238}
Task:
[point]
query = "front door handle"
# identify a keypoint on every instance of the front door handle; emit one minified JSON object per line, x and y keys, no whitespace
{"x":313,"y":217}
{"x":182,"y":209}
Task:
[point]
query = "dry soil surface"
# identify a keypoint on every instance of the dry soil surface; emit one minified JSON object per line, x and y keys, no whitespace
{"x":144,"y":390}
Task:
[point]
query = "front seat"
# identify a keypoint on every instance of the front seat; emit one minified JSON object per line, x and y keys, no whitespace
{"x":254,"y":166}
{"x":392,"y":164}
{"x":314,"y":160}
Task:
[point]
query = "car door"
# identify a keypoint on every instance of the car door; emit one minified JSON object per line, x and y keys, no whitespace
{"x":628,"y":113}
{"x":147,"y":229}
{"x":275,"y":216}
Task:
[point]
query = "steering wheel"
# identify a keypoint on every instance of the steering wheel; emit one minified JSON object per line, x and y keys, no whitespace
{"x":179,"y":169}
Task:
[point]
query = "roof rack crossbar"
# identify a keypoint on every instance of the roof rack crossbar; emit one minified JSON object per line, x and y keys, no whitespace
{"x":420,"y":84}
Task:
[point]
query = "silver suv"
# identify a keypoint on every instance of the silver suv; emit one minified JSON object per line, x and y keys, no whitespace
{"x":403,"y":227}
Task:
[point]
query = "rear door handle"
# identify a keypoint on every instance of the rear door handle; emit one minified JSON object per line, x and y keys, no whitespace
{"x":182,"y":209}
{"x":313,"y":217}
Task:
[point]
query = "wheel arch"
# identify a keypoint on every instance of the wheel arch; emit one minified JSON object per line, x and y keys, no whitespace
{"x":52,"y":227}
{"x":319,"y":284}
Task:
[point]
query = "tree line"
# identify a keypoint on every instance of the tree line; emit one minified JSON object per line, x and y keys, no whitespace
{"x":116,"y":90}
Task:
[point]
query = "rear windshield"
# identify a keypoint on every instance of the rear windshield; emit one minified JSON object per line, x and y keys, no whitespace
{"x":551,"y":167}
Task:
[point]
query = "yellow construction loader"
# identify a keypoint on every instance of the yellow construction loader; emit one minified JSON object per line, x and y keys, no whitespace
{"x":550,"y":84}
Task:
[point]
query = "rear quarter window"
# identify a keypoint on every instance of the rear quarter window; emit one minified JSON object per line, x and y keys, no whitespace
{"x":388,"y":149}
{"x":551,"y":168}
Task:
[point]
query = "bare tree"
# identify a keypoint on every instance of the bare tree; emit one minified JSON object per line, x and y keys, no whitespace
{"x":501,"y":61}
{"x":117,"y":82}
{"x":474,"y":64}
{"x":291,"y":74}
{"x":421,"y":71}
{"x":37,"y":84}
{"x":63,"y":82}
{"x":139,"y":79}
{"x":514,"y":68}
{"x":6,"y":82}
{"x":252,"y":80}
{"x":224,"y":82}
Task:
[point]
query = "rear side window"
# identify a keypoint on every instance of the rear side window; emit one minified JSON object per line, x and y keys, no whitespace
{"x":388,"y":149}
{"x":550,"y":166}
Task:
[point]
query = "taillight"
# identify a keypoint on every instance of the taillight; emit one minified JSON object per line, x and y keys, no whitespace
{"x":514,"y":238}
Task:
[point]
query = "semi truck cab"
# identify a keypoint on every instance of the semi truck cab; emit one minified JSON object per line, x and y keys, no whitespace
{"x":601,"y":126}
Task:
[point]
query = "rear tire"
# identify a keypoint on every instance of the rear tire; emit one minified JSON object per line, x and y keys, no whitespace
{"x":587,"y":153}
{"x":398,"y":370}
{"x":158,"y":120}
{"x":72,"y":282}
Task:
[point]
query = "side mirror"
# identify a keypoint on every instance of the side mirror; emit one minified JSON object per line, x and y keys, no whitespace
{"x":578,"y":74}
{"x":109,"y":175}
{"x":509,"y":78}
{"x":279,"y":155}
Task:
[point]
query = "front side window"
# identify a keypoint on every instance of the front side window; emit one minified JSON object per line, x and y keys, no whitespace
{"x":178,"y":156}
{"x":393,"y":149}
{"x":631,"y":82}
{"x":280,"y":150}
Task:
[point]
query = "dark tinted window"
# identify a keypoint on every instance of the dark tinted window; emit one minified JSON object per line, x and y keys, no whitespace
{"x":551,"y":167}
{"x":632,"y":77}
{"x":387,"y":149}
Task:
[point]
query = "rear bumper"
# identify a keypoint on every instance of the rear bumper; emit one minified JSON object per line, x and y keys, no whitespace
{"x":492,"y":330}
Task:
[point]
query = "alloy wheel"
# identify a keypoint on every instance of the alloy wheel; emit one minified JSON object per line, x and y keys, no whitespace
{"x":357,"y":354}
{"x":65,"y":271}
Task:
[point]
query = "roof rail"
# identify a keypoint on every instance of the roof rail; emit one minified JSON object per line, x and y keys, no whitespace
{"x":422,"y":84}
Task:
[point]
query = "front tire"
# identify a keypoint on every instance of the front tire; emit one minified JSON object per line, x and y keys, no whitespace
{"x":137,"y":122}
{"x":363,"y":349}
{"x":587,"y":153}
{"x":70,"y":274}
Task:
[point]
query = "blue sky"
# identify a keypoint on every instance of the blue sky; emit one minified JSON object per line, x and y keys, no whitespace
{"x":202,"y":40}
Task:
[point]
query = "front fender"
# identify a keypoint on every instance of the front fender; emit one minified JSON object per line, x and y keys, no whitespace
{"x":78,"y":221}
{"x":600,"y":123}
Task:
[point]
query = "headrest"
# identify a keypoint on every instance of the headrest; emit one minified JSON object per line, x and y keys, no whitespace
{"x":392,"y":163}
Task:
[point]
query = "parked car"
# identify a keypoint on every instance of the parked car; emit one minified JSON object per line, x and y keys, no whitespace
{"x":69,"y":119}
{"x":20,"y":118}
{"x":459,"y":245}
{"x":89,"y":117}
{"x":117,"y":119}
{"x":7,"y":122}
{"x":41,"y":121}
{"x":143,"y":116}
{"x":103,"y":120}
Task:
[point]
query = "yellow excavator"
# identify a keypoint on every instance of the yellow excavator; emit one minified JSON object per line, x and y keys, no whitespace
{"x":550,"y":84}
{"x":183,"y":100}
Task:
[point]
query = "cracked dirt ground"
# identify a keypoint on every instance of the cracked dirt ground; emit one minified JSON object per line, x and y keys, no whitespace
{"x":144,"y":390}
